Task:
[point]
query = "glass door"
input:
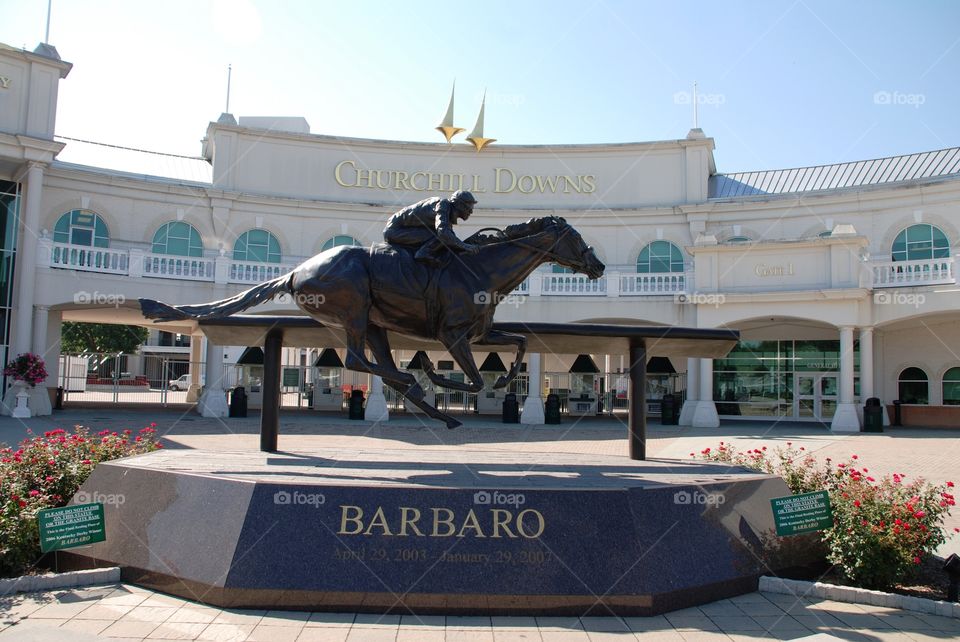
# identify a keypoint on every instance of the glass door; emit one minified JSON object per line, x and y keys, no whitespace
{"x":815,"y":395}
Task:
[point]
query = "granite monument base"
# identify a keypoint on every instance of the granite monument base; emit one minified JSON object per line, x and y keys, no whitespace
{"x":433,"y":531}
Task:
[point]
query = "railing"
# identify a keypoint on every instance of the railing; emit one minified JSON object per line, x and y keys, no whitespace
{"x":572,"y":285}
{"x":896,"y":274}
{"x":253,"y":272}
{"x":137,"y":263}
{"x":89,"y":259}
{"x":651,"y":284}
{"x":178,"y":267}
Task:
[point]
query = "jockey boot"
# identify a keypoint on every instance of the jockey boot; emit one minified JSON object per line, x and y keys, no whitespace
{"x":428,"y":253}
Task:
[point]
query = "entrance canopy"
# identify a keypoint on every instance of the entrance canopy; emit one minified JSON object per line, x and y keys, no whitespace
{"x":557,"y":338}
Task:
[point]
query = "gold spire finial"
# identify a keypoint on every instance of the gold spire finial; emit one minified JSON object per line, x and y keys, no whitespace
{"x":476,"y":136}
{"x":446,"y":127}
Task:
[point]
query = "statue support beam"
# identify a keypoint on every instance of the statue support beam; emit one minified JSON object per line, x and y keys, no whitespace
{"x":270,"y":412}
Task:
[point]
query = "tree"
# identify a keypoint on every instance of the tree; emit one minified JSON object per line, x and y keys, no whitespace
{"x":101,"y":337}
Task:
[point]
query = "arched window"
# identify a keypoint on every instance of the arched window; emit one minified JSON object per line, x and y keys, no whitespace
{"x":660,"y":256}
{"x":257,"y":245}
{"x":559,"y":269}
{"x":81,"y":227}
{"x":913,"y":386}
{"x":951,"y":387}
{"x":919,"y":243}
{"x":338,"y":240}
{"x":179,"y":239}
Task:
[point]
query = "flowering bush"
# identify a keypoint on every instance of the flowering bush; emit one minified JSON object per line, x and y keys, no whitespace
{"x":27,"y":367}
{"x":45,"y":472}
{"x":881,"y":528}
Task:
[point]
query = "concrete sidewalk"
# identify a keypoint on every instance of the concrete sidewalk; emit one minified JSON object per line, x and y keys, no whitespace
{"x":131,"y":613}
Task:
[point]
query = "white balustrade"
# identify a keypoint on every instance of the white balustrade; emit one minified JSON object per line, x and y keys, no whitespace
{"x":89,"y":259}
{"x":572,"y":285}
{"x":653,"y":283}
{"x":898,"y":274}
{"x":254,"y":272}
{"x":166,"y":266}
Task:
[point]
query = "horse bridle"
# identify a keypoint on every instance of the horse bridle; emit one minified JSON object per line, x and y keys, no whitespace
{"x":548,"y":253}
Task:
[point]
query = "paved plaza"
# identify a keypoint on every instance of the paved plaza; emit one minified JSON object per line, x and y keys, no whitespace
{"x":130,"y":613}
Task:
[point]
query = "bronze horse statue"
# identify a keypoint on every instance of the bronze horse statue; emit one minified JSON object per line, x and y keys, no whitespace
{"x":368,"y":291}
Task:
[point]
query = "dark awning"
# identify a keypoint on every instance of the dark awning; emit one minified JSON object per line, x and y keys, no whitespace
{"x":328,"y":359}
{"x":584,"y":365}
{"x":660,"y":365}
{"x":251,"y":357}
{"x":493,"y":363}
{"x":418,"y":360}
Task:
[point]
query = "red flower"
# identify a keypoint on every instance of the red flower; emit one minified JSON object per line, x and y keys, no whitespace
{"x":916,"y":560}
{"x":949,"y":484}
{"x":34,"y":493}
{"x":856,"y":503}
{"x":853,"y":457}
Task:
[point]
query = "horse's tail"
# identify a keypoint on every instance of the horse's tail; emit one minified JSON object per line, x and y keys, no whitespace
{"x":216,"y":309}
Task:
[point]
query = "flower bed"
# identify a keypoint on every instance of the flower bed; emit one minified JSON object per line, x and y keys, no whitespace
{"x":45,"y":472}
{"x":882,"y":528}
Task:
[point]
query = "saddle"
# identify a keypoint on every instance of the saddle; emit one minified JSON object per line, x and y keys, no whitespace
{"x":394,"y":270}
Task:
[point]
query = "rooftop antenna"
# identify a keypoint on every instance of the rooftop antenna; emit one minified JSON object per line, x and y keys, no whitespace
{"x":229,"y":73}
{"x":696,"y":123}
{"x":46,"y":37}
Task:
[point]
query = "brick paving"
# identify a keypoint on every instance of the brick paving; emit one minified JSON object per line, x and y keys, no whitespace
{"x":125,"y":612}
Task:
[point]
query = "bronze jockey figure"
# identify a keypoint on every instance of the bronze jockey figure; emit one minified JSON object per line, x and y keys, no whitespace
{"x":427,"y":226}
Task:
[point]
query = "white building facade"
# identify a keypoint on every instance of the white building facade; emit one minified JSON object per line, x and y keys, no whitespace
{"x":841,"y":278}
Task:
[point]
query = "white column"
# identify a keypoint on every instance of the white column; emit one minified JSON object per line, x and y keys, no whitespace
{"x":376,"y":406}
{"x":39,"y":396}
{"x":26,"y":261}
{"x":196,"y":357}
{"x":40,"y":316}
{"x":213,"y":401}
{"x":693,"y":392}
{"x":705,"y":412}
{"x":866,"y":364}
{"x":845,"y":419}
{"x":532,"y":413}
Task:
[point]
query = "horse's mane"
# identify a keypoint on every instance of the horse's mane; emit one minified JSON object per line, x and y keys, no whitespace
{"x":528,"y":228}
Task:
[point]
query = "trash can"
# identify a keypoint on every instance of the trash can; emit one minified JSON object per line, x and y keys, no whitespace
{"x":668,"y":410}
{"x":551,"y":409}
{"x":897,"y":416}
{"x":511,"y":409}
{"x":356,"y":404}
{"x":238,"y":402}
{"x":872,"y":415}
{"x":58,"y":400}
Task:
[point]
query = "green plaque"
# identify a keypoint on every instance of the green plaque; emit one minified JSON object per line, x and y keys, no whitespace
{"x":291,"y":377}
{"x":802,"y":513}
{"x":71,"y":526}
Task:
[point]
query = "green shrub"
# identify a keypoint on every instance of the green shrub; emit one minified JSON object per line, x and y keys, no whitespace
{"x":881,"y":528}
{"x":45,"y":472}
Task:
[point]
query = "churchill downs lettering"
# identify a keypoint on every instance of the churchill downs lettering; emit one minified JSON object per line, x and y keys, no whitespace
{"x":349,"y":174}
{"x":405,"y":521}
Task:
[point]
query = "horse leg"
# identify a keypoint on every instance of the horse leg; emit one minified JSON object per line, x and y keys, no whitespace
{"x":380,"y":346}
{"x":355,"y":329}
{"x":500,"y":338}
{"x":443,"y":382}
{"x":459,"y":349}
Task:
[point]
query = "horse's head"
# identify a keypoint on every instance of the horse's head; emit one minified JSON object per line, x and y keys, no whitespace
{"x":571,"y":251}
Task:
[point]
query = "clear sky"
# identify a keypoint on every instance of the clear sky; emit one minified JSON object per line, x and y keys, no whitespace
{"x":782,"y":84}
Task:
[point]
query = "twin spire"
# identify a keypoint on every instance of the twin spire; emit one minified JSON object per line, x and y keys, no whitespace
{"x":475,"y":137}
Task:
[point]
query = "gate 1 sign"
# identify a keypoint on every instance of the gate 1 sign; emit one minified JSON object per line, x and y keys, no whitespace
{"x":804,"y":513}
{"x":71,"y":526}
